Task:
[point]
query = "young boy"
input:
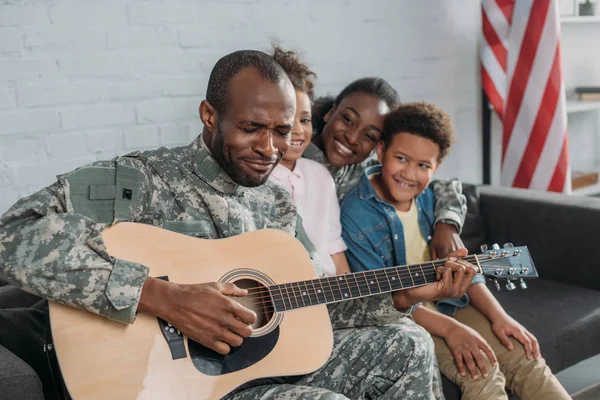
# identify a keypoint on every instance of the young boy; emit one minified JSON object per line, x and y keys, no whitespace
{"x":387,"y":220}
{"x":309,"y":183}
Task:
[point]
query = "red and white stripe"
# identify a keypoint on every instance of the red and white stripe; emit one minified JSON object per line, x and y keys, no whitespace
{"x":522,"y":77}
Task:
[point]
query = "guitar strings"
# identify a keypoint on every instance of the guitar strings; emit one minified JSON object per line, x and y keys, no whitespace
{"x":261,"y":293}
{"x":378,"y":273}
{"x":335,"y":281}
{"x":384,"y":271}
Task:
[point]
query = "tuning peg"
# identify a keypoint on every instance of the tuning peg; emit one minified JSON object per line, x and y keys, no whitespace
{"x":522,"y":284}
{"x":483,"y":248}
{"x":508,"y":245}
{"x":510,"y":285}
{"x":495,"y":246}
{"x":496,"y":284}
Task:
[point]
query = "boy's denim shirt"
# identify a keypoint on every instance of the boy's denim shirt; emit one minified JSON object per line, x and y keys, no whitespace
{"x":375,"y":237}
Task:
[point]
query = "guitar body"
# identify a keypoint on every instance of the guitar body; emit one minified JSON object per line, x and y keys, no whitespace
{"x":102,"y":359}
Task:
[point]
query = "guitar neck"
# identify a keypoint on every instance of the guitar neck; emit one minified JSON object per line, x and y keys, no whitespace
{"x":294,"y":295}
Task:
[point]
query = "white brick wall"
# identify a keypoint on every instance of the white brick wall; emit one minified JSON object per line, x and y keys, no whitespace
{"x":82,"y":80}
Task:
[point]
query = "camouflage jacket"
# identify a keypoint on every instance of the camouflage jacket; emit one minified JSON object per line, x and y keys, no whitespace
{"x":50,"y":242}
{"x":450,"y":203}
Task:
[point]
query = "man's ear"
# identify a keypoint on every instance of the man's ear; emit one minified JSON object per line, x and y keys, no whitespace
{"x":328,"y":115}
{"x":380,"y":151}
{"x":208,"y":116}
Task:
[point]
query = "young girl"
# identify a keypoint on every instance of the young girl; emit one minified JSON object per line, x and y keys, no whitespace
{"x":309,"y":183}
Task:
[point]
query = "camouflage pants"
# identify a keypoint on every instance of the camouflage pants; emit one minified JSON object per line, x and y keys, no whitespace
{"x":374,"y":362}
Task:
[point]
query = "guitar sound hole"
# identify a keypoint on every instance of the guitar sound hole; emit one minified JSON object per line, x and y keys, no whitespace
{"x":253,"y":349}
{"x":257,"y":300}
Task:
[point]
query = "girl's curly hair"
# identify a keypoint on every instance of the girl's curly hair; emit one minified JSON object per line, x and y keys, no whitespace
{"x":301,"y":76}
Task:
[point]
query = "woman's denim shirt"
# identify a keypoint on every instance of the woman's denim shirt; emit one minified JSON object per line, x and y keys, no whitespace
{"x":374,"y":234}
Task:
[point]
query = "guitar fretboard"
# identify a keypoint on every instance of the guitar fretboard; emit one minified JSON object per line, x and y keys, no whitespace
{"x":294,"y":295}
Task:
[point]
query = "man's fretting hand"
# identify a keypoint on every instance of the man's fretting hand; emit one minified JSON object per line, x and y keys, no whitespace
{"x":453,"y":280}
{"x":204,"y":312}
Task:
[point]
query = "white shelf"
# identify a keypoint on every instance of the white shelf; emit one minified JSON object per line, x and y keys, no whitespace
{"x":579,"y":20}
{"x":587,"y":190}
{"x":575,"y":106}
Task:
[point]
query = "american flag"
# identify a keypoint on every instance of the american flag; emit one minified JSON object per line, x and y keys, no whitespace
{"x":521,"y":76}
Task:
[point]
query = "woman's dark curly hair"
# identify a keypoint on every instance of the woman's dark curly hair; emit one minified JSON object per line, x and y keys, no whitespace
{"x":301,"y":76}
{"x":421,"y":119}
{"x":377,"y":87}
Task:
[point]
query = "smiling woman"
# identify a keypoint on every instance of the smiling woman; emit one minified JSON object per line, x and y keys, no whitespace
{"x":347,"y":130}
{"x":354,"y":122}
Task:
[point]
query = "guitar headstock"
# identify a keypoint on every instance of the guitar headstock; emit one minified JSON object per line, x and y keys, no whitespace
{"x":510,"y":263}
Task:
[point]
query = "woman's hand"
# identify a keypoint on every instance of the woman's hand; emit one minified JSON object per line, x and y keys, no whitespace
{"x":469,"y":347}
{"x":445,"y":240}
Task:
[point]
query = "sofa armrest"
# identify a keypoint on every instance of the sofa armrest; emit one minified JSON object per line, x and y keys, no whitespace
{"x":559,"y":230}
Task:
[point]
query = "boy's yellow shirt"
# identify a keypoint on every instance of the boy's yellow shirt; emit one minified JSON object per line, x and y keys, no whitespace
{"x":417,"y":250}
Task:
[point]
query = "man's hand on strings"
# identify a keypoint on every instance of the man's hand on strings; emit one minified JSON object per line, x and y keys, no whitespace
{"x":454,"y":277}
{"x":204,"y":312}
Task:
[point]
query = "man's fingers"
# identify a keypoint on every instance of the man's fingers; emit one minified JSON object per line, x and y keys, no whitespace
{"x":220,"y":347}
{"x":244,"y":314}
{"x":458,"y":253}
{"x":468,"y":277}
{"x":240,"y":328}
{"x":439,"y":272}
{"x":229,"y":289}
{"x":459,"y":274}
{"x":230,"y":338}
{"x":446,"y":277}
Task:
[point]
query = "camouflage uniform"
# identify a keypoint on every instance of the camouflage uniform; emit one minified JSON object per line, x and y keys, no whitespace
{"x":50,"y":244}
{"x":450,"y":203}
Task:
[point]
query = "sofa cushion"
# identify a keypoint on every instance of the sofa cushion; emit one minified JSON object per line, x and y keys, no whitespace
{"x":17,"y":379}
{"x":564,"y":318}
{"x":13,"y":297}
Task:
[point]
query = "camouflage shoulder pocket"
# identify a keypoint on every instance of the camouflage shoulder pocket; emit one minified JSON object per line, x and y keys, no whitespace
{"x":107,"y":193}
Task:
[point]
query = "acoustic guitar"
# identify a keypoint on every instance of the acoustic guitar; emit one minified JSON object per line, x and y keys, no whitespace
{"x":150,"y":359}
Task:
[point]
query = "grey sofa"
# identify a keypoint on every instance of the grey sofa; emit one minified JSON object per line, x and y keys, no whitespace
{"x":562,"y":307}
{"x":17,"y":379}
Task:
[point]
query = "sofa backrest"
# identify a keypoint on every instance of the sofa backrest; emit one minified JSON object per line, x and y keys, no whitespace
{"x":473,"y":234}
